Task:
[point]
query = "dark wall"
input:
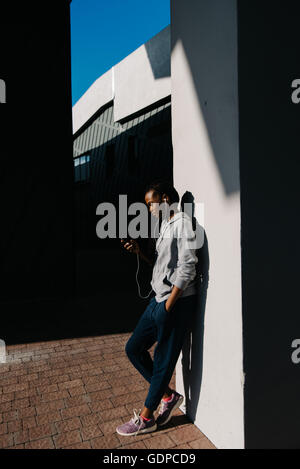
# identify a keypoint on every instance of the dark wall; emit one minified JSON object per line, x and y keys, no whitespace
{"x":268,"y":40}
{"x":36,"y":178}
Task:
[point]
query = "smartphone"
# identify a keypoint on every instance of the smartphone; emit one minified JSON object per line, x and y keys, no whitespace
{"x":125,"y":240}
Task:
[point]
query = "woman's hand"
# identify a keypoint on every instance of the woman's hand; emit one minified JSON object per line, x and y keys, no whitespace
{"x":131,"y":246}
{"x":175,"y":294}
{"x":169,"y":306}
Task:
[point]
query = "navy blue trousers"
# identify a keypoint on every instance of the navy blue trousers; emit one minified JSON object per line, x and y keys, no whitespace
{"x":168,"y":329}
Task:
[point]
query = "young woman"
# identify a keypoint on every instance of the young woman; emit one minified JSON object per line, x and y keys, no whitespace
{"x":168,"y":314}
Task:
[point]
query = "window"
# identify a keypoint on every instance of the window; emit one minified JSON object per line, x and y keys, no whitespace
{"x":82,"y":168}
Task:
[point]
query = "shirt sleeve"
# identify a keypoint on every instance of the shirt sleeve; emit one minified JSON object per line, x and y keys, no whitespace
{"x":187,"y":258}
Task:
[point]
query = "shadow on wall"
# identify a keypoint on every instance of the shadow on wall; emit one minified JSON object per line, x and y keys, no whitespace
{"x":192,"y":350}
{"x":213,"y":74}
{"x":212,"y":66}
{"x":159,"y":57}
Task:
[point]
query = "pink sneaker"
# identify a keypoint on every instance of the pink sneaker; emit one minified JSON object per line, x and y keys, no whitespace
{"x":167,"y":408}
{"x":136,"y":425}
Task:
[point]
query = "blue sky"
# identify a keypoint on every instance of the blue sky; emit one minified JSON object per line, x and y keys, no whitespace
{"x":103,"y":32}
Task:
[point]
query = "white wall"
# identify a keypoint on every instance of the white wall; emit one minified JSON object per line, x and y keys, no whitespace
{"x":97,"y":95}
{"x":206,"y":163}
{"x":143,"y":77}
{"x":139,"y":80}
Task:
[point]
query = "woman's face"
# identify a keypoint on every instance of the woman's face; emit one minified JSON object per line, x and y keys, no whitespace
{"x":152,"y":200}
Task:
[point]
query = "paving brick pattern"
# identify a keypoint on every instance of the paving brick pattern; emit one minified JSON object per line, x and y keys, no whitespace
{"x":74,"y":393}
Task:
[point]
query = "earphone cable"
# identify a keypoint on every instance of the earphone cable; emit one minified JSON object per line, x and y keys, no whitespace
{"x":136,"y":278}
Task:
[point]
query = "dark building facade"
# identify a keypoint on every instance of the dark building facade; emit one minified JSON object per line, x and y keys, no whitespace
{"x":110,"y":159}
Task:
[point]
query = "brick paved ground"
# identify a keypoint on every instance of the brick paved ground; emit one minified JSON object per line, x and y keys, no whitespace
{"x":73,"y":394}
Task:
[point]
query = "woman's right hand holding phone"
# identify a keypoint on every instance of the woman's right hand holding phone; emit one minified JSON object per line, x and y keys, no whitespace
{"x":131,"y":245}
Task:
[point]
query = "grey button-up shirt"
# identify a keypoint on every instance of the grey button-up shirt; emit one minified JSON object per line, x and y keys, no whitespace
{"x":175,"y":262}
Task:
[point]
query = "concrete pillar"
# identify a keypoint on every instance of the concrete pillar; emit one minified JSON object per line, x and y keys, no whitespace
{"x":206,"y":164}
{"x":235,"y":141}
